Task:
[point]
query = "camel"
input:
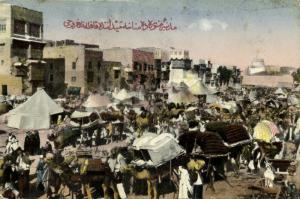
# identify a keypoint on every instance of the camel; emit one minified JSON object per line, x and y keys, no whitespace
{"x":62,"y":174}
{"x":153,"y":175}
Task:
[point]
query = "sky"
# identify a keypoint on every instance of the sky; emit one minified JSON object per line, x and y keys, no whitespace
{"x":231,"y":32}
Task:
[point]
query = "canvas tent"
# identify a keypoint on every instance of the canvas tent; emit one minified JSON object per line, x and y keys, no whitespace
{"x":198,"y":88}
{"x":96,"y":101}
{"x":35,"y":113}
{"x":160,"y":148}
{"x":122,"y":95}
{"x":181,"y":96}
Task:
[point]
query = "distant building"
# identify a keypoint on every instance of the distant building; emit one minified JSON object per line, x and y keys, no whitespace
{"x":83,"y":64}
{"x":137,"y":64}
{"x":21,"y":49}
{"x":179,"y":54}
{"x":161,"y":60}
{"x":178,"y":69}
{"x":112,"y":76}
{"x":257,"y":66}
{"x":268,"y":80}
{"x":54,"y":79}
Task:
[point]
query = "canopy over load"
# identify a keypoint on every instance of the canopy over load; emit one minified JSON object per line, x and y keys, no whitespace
{"x":265,"y":131}
{"x":231,"y":133}
{"x":159,"y":148}
{"x":34,"y":113}
{"x":95,"y":101}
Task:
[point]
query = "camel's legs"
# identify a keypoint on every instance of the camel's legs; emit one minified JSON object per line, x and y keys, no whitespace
{"x":149,"y":189}
{"x":114,"y":188}
{"x":154,"y":188}
{"x":105,"y":191}
{"x":88,"y":191}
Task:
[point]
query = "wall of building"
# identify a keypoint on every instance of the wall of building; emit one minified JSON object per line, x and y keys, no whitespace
{"x":14,"y":84}
{"x":54,"y":79}
{"x":112,"y":75}
{"x":93,"y":66}
{"x":71,"y":54}
{"x":5,"y":42}
{"x":123,"y":55}
{"x":179,"y":54}
{"x":82,"y":59}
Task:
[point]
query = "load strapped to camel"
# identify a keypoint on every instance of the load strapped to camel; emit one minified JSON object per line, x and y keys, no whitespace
{"x":152,"y":150}
{"x":232,"y":134}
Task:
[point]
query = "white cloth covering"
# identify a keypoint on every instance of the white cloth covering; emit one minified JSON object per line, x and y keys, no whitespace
{"x":184,"y":184}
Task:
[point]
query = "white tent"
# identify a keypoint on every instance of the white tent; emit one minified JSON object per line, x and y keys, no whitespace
{"x":96,"y":101}
{"x":34,"y":113}
{"x":198,"y":88}
{"x":279,"y":91}
{"x":297,"y":89}
{"x":181,"y":96}
{"x":122,"y":95}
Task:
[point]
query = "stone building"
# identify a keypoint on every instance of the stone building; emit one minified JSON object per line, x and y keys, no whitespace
{"x":161,"y":63}
{"x":138,"y":66}
{"x":54,"y":79}
{"x":113,"y":76}
{"x":83,"y":64}
{"x":21,"y":49}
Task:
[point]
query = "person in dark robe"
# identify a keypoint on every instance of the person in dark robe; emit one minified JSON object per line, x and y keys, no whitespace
{"x":36,"y":139}
{"x":28,"y":142}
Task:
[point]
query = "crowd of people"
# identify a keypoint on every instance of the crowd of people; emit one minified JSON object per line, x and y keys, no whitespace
{"x":246,"y":107}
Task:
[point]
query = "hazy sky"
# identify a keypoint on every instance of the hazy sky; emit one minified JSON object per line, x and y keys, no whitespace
{"x":227,"y":33}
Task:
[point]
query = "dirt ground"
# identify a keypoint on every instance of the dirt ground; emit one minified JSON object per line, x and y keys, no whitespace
{"x":239,"y":189}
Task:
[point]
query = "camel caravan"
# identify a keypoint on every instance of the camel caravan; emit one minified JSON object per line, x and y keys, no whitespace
{"x":178,"y":141}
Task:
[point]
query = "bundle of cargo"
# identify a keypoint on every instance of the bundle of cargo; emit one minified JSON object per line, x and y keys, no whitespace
{"x":232,"y":134}
{"x":152,"y":150}
{"x":112,"y":116}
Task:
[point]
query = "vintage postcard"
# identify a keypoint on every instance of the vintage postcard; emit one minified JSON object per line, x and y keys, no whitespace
{"x":136,"y":99}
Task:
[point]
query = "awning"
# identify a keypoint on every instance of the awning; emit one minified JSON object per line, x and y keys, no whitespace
{"x":78,"y":114}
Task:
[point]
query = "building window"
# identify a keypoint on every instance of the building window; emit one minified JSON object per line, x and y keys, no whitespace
{"x":74,"y":65}
{"x":34,"y":30}
{"x":90,"y":77}
{"x":117,"y":74}
{"x":90,"y":66}
{"x":51,"y":77}
{"x":73,"y":79}
{"x":140,"y":67}
{"x":99,"y":80}
{"x":2,"y":26}
{"x":51,"y":66}
{"x":134,"y":66}
{"x":99,"y":65}
{"x":19,"y":27}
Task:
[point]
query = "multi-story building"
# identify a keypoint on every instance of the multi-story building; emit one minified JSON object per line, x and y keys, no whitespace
{"x":83,"y":63}
{"x":112,"y":76}
{"x":54,"y":79}
{"x":179,"y":54}
{"x":137,"y":64}
{"x":21,"y":49}
{"x":161,"y":63}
